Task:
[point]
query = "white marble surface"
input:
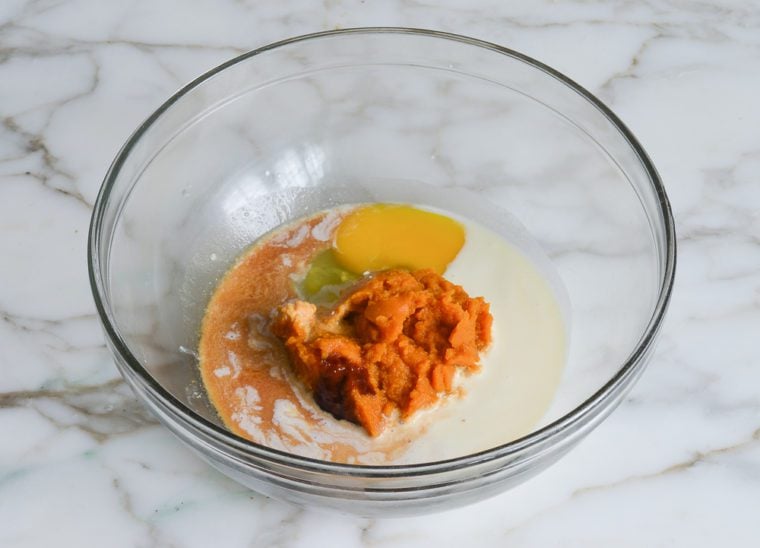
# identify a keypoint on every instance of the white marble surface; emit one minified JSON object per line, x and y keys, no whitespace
{"x":81,"y":463}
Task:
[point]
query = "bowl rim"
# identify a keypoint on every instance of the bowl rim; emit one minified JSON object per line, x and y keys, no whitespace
{"x":581,"y":413}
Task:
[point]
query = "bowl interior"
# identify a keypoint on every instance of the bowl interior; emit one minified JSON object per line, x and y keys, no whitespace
{"x":385,"y":117}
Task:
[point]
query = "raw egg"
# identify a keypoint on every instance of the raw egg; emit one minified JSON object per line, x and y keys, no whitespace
{"x":384,"y":236}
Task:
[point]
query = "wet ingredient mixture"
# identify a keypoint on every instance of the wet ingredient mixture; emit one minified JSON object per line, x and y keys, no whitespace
{"x":309,"y":328}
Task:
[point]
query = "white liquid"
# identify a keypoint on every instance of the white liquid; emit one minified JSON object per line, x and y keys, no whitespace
{"x":520,"y":371}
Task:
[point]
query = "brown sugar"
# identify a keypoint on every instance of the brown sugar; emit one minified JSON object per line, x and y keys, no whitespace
{"x":393,"y":343}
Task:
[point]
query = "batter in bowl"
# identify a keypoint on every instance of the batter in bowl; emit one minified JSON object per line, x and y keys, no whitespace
{"x":250,"y":375}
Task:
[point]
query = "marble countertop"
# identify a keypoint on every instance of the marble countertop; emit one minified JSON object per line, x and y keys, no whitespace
{"x":81,"y":462}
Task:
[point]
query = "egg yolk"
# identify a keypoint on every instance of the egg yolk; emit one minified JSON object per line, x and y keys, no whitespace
{"x":386,"y":236}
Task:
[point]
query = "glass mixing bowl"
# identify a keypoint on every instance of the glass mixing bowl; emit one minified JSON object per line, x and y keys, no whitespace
{"x":392,"y":115}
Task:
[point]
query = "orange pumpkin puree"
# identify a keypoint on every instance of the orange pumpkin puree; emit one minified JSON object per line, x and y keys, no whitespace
{"x":393,"y":343}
